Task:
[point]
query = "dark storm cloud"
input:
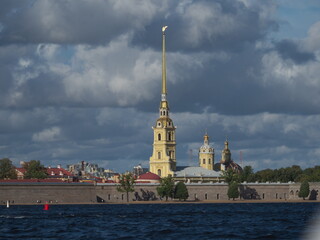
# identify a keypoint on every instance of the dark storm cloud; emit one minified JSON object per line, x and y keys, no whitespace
{"x":80,"y":80}
{"x":194,"y":25}
{"x":290,"y":50}
{"x":209,"y":25}
{"x":71,"y":22}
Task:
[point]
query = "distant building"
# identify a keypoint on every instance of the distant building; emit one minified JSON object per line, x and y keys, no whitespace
{"x":139,"y":170}
{"x":59,"y":173}
{"x":226,"y":161}
{"x":89,"y":170}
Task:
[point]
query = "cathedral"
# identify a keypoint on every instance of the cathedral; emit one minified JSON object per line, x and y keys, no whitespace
{"x":163,"y":160}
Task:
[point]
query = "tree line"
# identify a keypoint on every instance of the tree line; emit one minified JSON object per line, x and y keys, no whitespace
{"x":284,"y":175}
{"x":33,"y":169}
{"x":294,"y":173}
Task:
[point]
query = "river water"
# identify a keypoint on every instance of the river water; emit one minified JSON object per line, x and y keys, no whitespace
{"x":160,"y":221}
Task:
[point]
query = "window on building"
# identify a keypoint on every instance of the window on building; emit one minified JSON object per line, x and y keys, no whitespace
{"x":206,"y":196}
{"x":159,"y":155}
{"x":209,"y":161}
{"x":204,"y":161}
{"x":262,"y":195}
{"x":109,"y":196}
{"x":218,"y":196}
{"x":276,"y":195}
{"x":122,"y":196}
{"x":159,"y":136}
{"x":169,"y":136}
{"x":159,"y":172}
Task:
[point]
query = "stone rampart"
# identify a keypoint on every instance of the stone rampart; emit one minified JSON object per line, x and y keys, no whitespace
{"x":65,"y":193}
{"x":45,"y":192}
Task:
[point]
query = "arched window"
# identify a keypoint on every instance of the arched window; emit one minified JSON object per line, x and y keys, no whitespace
{"x":159,"y":155}
{"x":262,"y":195}
{"x":206,"y":196}
{"x":169,"y":136}
{"x":209,"y":161}
{"x":218,"y":196}
{"x":172,"y":154}
{"x":159,"y":136}
{"x":204,"y":161}
{"x":159,"y":172}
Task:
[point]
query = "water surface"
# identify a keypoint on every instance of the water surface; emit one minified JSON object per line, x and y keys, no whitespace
{"x":158,"y":221}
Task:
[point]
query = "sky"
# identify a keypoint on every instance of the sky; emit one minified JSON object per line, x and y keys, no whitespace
{"x":80,"y":80}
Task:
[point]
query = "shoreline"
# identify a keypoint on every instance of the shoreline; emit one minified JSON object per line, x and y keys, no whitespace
{"x":170,"y":202}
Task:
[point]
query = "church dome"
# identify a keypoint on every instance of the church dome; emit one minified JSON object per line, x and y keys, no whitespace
{"x":148,"y":177}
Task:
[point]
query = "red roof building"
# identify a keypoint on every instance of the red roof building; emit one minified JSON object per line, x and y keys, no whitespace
{"x":148,"y":177}
{"x":57,"y":173}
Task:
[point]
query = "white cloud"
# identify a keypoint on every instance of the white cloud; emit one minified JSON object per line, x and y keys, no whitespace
{"x":47,"y":135}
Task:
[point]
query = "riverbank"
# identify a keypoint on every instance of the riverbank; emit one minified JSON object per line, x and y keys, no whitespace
{"x":176,"y":202}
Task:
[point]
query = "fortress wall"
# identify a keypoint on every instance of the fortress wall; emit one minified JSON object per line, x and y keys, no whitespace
{"x":87,"y":193}
{"x":214,"y":192}
{"x":109,"y":192}
{"x":32,"y":194}
{"x":314,"y":191}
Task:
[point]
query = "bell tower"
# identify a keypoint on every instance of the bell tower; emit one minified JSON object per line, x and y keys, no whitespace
{"x":206,"y":154}
{"x":163,"y":159}
{"x":225,"y":156}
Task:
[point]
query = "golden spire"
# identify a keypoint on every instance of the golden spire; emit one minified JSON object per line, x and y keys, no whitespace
{"x":164,"y":75}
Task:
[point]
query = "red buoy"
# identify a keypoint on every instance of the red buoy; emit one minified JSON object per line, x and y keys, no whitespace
{"x":46,"y":206}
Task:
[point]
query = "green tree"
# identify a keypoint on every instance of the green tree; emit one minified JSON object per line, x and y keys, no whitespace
{"x":181,"y":191}
{"x":7,"y":170}
{"x":166,"y":188}
{"x":233,"y":191}
{"x":230,"y":176}
{"x":247,"y":174}
{"x":266,"y":175}
{"x":126,"y":184}
{"x":34,"y":169}
{"x":304,"y":190}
